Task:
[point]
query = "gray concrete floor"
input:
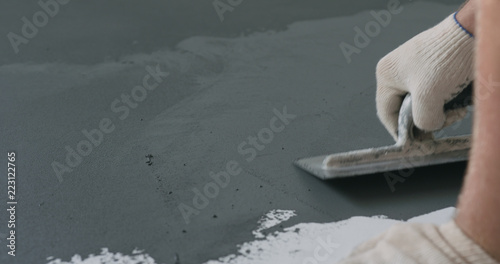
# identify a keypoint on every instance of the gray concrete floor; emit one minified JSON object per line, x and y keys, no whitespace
{"x":225,"y":80}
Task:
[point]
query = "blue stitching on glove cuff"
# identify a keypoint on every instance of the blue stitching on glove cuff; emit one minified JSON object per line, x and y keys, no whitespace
{"x":458,"y":23}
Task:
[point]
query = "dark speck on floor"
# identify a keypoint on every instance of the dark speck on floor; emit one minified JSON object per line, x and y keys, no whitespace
{"x":177,"y":260}
{"x":149,"y":160}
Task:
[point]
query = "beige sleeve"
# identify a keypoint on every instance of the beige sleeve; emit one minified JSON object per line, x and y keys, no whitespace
{"x":419,"y":244}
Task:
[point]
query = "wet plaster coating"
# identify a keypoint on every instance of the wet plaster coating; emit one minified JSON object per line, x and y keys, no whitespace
{"x":218,"y":87}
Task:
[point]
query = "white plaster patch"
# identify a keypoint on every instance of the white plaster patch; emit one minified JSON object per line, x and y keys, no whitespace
{"x":296,"y":244}
{"x":137,"y":257}
{"x":301,"y":243}
{"x":273,"y":218}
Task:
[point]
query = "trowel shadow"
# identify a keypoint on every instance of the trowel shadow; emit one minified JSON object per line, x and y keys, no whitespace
{"x":434,"y":181}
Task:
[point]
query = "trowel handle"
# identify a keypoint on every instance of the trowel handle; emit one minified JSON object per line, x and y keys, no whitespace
{"x":407,"y":132}
{"x":463,"y":99}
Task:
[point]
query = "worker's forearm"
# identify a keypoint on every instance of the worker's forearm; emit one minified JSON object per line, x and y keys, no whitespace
{"x":479,"y":204}
{"x":466,"y":15}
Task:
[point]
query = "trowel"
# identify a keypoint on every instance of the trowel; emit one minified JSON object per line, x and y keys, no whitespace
{"x":413,"y":148}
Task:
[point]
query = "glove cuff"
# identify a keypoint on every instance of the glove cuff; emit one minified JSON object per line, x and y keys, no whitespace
{"x":455,"y":40}
{"x":452,"y":48}
{"x":460,"y":244}
{"x":460,"y":25}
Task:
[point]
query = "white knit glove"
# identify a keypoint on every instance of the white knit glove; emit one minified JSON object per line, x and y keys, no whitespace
{"x":433,"y":67}
{"x":420,"y":244}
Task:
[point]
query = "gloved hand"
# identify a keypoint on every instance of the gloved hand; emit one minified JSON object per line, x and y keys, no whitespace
{"x":433,"y":67}
{"x":419,"y":244}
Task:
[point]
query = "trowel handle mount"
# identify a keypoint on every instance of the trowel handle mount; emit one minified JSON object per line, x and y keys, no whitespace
{"x":463,"y":99}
